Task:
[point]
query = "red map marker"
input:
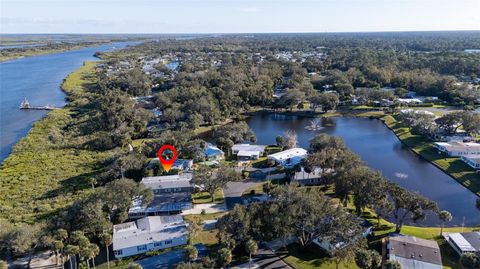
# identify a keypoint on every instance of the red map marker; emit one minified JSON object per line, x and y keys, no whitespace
{"x":167,"y":163}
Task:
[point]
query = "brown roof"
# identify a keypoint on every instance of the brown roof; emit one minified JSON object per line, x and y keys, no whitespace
{"x":411,"y":247}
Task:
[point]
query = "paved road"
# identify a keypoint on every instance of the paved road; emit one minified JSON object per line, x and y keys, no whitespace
{"x":267,"y":259}
{"x":169,"y":259}
{"x":233,"y":191}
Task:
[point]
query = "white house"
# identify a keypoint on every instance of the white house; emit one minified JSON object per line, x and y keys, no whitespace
{"x":288,"y":158}
{"x":150,"y":233}
{"x":472,"y":160}
{"x":458,"y":148}
{"x":413,"y":252}
{"x":247,"y":151}
{"x":416,"y":111}
{"x":463,"y":242}
{"x":409,"y":101}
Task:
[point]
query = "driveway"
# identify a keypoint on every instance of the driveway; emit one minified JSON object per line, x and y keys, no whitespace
{"x":170,"y":259}
{"x":233,"y":191}
{"x":209,"y":208}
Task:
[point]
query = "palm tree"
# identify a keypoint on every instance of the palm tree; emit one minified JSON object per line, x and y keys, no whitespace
{"x":61,"y":235}
{"x":72,"y":250}
{"x":191,"y":253}
{"x":107,"y":241}
{"x":93,"y":182}
{"x":444,"y":216}
{"x":251,"y":247}
{"x":93,"y":252}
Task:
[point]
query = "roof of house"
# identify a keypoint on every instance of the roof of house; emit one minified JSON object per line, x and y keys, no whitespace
{"x":302,"y":175}
{"x":167,"y":182}
{"x":164,"y":202}
{"x":289,"y":153}
{"x":465,"y":241}
{"x":248,"y":147}
{"x":177,"y":164}
{"x":211,"y":150}
{"x":409,"y":100}
{"x":459,"y":146}
{"x":473,"y":158}
{"x":248,"y":153}
{"x":148,"y":230}
{"x":413,"y":252}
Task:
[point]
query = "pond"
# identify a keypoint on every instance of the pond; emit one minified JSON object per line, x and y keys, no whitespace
{"x":381,"y":150}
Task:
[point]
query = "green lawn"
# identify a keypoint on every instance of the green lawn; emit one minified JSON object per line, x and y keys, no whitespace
{"x":463,"y":173}
{"x":204,"y":197}
{"x":310,"y":257}
{"x":208,"y":238}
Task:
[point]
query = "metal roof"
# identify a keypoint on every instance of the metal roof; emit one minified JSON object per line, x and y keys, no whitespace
{"x":148,"y":230}
{"x":168,"y":182}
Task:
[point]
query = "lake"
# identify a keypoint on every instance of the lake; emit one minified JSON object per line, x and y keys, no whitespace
{"x":381,"y":150}
{"x":38,"y":79}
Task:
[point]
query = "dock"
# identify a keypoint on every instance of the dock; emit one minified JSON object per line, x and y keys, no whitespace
{"x":26,"y":105}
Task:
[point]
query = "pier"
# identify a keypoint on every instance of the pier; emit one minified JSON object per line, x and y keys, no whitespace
{"x":26,"y":105}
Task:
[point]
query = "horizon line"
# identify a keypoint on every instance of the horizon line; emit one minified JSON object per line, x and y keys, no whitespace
{"x":229,"y":33}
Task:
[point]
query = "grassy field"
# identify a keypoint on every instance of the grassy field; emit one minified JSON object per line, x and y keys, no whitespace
{"x":204,"y":197}
{"x":463,"y":173}
{"x":45,"y":171}
{"x":310,"y":257}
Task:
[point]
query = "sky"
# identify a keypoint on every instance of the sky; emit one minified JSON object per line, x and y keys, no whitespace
{"x":236,"y":16}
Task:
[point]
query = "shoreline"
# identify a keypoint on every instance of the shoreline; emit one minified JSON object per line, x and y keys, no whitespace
{"x":424,"y":157}
{"x":44,"y":171}
{"x":380,"y":115}
{"x":28,"y":54}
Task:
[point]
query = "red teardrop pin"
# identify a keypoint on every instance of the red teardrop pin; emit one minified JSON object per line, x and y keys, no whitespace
{"x":167,"y":163}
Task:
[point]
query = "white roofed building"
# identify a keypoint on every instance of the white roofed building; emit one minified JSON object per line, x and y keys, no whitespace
{"x":458,"y":148}
{"x":247,"y":151}
{"x":472,"y":160}
{"x":463,"y":242}
{"x":150,"y":233}
{"x":288,"y":158}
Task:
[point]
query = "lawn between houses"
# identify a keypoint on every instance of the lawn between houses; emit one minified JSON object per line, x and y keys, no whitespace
{"x":453,"y":166}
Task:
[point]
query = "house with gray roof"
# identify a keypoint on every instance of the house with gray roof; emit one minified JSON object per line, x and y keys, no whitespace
{"x":414,"y":253}
{"x":248,"y":151}
{"x":307,"y":178}
{"x":463,"y":242}
{"x":172,"y":195}
{"x":149,"y":233}
{"x":170,"y":183}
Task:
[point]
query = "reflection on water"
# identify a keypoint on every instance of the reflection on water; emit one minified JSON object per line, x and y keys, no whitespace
{"x":381,"y":150}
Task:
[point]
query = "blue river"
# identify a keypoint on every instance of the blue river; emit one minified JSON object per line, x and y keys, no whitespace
{"x":38,"y":79}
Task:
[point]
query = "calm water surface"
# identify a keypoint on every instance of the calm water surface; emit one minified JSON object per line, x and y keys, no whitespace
{"x":381,"y":150}
{"x":38,"y":79}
